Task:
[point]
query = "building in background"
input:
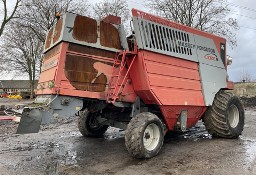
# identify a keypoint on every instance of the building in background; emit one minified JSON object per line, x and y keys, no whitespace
{"x":21,"y":87}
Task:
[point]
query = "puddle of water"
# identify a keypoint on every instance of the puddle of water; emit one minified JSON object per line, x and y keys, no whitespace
{"x":62,"y":157}
{"x":68,"y":134}
{"x":32,"y":146}
{"x":250,"y":150}
{"x":195,"y":133}
{"x":198,"y":135}
{"x":250,"y":112}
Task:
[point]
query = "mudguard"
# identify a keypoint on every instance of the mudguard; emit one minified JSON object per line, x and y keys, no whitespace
{"x":58,"y":108}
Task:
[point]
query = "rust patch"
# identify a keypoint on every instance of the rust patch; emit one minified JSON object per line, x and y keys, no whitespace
{"x":52,"y":52}
{"x":91,"y":51}
{"x":49,"y":65}
{"x":48,"y":39}
{"x":85,"y":29}
{"x":83,"y":75}
{"x":57,"y":31}
{"x":112,"y":19}
{"x":109,"y":36}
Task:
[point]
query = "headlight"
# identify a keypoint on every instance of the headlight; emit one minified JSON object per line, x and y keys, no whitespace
{"x":229,"y":60}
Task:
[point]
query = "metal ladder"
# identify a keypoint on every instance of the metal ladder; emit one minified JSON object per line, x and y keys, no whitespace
{"x":115,"y":88}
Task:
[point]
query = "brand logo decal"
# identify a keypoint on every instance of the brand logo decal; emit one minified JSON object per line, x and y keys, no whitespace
{"x":212,"y":57}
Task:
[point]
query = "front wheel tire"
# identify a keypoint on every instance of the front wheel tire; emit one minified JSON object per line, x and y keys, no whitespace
{"x":144,"y":135}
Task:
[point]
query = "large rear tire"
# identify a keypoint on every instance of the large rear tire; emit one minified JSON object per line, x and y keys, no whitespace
{"x":89,"y":126}
{"x":144,"y":135}
{"x":225,"y":118}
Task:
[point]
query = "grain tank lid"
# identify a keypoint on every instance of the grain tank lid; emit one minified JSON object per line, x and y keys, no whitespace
{"x":112,"y":19}
{"x":106,"y":34}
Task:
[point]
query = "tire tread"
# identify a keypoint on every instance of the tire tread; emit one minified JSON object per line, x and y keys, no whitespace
{"x":134,"y":134}
{"x":215,"y":118}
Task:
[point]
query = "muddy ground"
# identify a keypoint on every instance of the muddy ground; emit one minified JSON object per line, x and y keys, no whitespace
{"x":59,"y":149}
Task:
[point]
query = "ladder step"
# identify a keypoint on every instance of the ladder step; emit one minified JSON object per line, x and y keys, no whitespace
{"x":115,"y":88}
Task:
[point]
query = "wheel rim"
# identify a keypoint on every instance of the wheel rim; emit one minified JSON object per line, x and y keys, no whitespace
{"x":233,"y":116}
{"x":151,"y":137}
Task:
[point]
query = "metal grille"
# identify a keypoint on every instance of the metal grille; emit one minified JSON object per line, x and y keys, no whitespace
{"x":164,"y":38}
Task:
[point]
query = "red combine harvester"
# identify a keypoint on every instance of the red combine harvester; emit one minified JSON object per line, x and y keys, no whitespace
{"x":164,"y":77}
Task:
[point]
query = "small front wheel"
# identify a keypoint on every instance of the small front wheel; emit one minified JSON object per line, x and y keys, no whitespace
{"x":144,"y":135}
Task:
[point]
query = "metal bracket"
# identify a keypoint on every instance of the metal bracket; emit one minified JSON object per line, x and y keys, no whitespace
{"x":136,"y":107}
{"x":182,"y":121}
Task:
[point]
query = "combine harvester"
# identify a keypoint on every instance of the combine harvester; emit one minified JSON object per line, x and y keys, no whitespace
{"x":164,"y":77}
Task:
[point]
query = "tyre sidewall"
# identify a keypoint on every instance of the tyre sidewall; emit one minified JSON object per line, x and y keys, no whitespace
{"x":95,"y":131}
{"x":240,"y":126}
{"x":85,"y":128}
{"x":155,"y":151}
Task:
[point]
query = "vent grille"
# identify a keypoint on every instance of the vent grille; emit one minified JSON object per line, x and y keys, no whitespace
{"x":163,"y":38}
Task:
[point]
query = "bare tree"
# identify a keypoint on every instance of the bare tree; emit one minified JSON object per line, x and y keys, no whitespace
{"x":206,"y":15}
{"x":22,"y":46}
{"x":39,"y":15}
{"x":8,"y":16}
{"x":23,"y":51}
{"x":245,"y":77}
{"x":112,"y":7}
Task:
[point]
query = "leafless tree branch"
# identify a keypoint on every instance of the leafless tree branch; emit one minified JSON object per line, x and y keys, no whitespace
{"x":7,"y":18}
{"x":206,"y":15}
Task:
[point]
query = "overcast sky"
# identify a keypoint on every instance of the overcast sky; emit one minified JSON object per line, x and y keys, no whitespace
{"x":244,"y":55}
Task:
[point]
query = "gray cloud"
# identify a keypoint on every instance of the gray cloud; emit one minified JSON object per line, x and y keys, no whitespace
{"x":244,"y":55}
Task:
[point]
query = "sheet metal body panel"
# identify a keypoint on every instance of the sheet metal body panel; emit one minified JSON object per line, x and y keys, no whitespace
{"x":165,"y":37}
{"x":212,"y":79}
{"x":169,"y":80}
{"x":80,"y":71}
{"x":172,"y":83}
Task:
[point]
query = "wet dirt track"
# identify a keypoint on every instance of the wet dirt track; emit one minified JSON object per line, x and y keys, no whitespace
{"x":60,"y":149}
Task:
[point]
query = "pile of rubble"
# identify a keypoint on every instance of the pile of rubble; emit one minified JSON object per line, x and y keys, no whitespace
{"x":248,"y":102}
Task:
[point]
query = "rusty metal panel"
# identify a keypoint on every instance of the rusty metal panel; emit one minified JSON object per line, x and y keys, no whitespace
{"x":48,"y":39}
{"x":109,"y":36}
{"x":53,"y":63}
{"x":85,"y":29}
{"x":57,"y":31}
{"x":91,"y":51}
{"x":54,"y":51}
{"x":112,"y":19}
{"x":83,"y":73}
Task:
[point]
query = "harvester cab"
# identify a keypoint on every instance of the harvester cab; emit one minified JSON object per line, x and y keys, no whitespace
{"x":164,"y":77}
